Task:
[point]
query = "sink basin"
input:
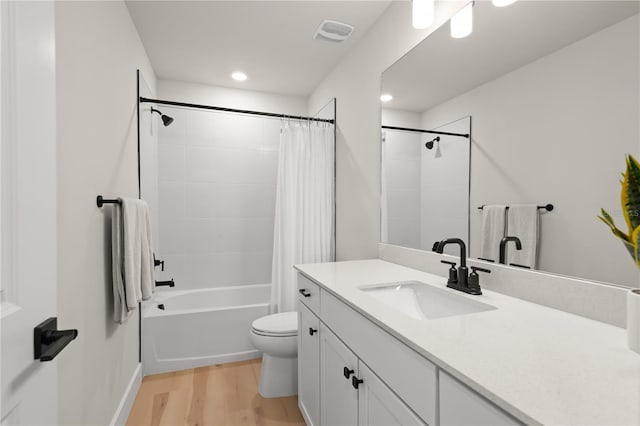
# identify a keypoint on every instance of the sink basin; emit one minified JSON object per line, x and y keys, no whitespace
{"x":423,"y":301}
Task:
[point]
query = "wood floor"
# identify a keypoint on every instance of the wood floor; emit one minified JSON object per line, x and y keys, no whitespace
{"x":225,"y":394}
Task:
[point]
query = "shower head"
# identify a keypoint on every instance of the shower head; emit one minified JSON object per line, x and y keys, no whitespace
{"x":166,"y":120}
{"x":429,"y":144}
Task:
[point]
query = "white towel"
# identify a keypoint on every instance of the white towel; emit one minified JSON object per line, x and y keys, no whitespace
{"x":493,"y":228}
{"x":132,"y":257}
{"x":523,"y":222}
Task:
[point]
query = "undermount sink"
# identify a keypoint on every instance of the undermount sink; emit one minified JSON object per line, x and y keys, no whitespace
{"x":423,"y":301}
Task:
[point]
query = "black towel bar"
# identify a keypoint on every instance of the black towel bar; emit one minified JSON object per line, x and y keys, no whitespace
{"x":102,"y":201}
{"x":547,"y":207}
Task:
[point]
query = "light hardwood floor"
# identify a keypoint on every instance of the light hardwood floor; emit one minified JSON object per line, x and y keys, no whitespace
{"x":225,"y":394}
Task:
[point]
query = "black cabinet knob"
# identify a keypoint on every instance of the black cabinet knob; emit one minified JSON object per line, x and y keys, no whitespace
{"x":312,"y":331}
{"x":303,"y":291}
{"x":356,"y":382}
{"x":347,"y":372}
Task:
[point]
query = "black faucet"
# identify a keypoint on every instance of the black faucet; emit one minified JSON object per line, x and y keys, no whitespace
{"x":169,"y":283}
{"x":463,"y":272}
{"x":461,"y":280}
{"x":503,"y":247}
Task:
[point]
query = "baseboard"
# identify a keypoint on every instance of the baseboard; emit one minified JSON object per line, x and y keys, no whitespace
{"x":126,"y":403}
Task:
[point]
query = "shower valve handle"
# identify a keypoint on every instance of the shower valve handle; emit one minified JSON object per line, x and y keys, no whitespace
{"x":312,"y":331}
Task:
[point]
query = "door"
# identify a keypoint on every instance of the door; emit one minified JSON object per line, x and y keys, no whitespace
{"x":338,"y":367}
{"x":379,"y":406}
{"x":27,"y":209}
{"x":309,"y":365}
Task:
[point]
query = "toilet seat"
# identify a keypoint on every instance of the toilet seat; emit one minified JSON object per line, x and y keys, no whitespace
{"x":284,"y":324}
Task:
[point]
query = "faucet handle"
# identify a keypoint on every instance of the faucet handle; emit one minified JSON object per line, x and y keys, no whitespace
{"x":453,"y":274}
{"x":448,"y":263}
{"x":477,"y":268}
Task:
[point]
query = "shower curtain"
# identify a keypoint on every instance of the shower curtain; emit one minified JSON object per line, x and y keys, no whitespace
{"x":303,"y":230}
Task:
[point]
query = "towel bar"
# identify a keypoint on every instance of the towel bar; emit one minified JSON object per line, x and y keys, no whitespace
{"x":547,"y":207}
{"x":102,"y":201}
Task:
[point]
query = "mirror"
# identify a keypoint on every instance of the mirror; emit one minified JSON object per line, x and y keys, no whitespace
{"x":553,"y":89}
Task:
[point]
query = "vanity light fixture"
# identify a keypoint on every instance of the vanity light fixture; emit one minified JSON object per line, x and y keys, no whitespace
{"x":422,"y":12}
{"x":502,"y":3}
{"x":462,"y":22}
{"x":239,"y":76}
{"x":386,"y":97}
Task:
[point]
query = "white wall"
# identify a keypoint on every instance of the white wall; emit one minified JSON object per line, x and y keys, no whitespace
{"x":355,"y":82}
{"x":217,"y":185}
{"x":531,"y":145}
{"x":98,"y":51}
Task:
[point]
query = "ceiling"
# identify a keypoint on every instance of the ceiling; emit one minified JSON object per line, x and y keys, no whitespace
{"x":503,"y":39}
{"x":272,"y":41}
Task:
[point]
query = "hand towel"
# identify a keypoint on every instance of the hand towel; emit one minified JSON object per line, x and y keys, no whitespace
{"x":493,"y":230}
{"x":132,"y":251}
{"x":523,"y":222}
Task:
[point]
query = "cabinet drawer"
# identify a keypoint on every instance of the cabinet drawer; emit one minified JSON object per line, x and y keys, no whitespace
{"x":309,"y":293}
{"x":412,"y":377}
{"x":461,"y":406}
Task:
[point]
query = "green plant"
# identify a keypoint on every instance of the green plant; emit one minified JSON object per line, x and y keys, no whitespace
{"x":630,"y":201}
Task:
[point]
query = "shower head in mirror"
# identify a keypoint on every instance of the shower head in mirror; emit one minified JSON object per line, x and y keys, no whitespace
{"x":429,"y":145}
{"x":166,"y":120}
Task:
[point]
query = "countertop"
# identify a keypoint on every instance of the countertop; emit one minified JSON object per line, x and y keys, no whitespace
{"x":539,"y":364}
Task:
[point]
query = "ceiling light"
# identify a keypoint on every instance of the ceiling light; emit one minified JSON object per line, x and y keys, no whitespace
{"x":422,"y":13}
{"x":385,"y":97}
{"x":334,"y":31}
{"x":462,"y":22}
{"x":239,"y":76}
{"x":502,"y":3}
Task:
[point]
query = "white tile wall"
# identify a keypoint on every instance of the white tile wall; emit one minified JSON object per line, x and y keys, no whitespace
{"x":217,"y":190}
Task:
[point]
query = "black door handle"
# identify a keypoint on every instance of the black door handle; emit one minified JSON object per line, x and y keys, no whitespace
{"x":48,"y":341}
{"x":303,"y":291}
{"x":347,"y":372}
{"x":312,"y":331}
{"x":356,"y":382}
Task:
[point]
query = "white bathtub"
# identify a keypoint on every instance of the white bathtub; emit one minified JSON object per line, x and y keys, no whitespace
{"x":201,"y":327}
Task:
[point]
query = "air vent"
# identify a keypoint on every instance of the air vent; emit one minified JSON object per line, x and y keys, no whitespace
{"x":333,"y":31}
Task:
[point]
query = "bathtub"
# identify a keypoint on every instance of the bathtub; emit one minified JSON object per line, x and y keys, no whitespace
{"x":201,"y":327}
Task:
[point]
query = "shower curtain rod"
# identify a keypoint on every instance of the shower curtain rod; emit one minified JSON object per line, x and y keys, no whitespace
{"x":239,"y":111}
{"x":433,"y":132}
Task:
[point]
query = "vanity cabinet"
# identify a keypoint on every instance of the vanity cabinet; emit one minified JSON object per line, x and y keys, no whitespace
{"x":308,"y":365}
{"x":353,"y":372}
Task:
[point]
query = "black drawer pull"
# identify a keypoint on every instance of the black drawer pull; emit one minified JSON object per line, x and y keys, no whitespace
{"x":347,"y":372}
{"x":356,"y":382}
{"x":303,"y":291}
{"x":312,"y":331}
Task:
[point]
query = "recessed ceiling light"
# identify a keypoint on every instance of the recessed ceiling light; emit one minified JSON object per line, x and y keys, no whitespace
{"x":239,"y":76}
{"x":502,"y":3}
{"x":462,"y":22}
{"x":422,"y":12}
{"x":385,"y":97}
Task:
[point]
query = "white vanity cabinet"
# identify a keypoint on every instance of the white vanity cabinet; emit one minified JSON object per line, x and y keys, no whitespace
{"x":309,"y":365}
{"x":352,"y":372}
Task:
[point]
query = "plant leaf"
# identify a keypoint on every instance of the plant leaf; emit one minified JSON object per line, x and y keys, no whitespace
{"x":606,"y":218}
{"x":635,"y":236}
{"x":630,"y":194}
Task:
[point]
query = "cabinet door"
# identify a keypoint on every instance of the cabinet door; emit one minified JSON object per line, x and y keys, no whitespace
{"x":308,"y":365}
{"x":339,"y":398}
{"x":378,"y":406}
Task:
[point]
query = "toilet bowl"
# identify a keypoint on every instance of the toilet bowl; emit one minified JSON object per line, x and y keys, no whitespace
{"x":276,"y":336}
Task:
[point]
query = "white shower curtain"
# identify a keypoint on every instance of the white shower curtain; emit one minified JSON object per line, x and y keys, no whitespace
{"x":303,"y":230}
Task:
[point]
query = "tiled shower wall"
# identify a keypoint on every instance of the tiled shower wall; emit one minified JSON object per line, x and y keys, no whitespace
{"x":217,"y":190}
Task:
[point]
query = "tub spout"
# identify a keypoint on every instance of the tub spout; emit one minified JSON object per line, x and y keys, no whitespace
{"x":165,"y":283}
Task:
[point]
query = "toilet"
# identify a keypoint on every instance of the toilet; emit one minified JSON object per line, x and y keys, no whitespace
{"x":276,"y":336}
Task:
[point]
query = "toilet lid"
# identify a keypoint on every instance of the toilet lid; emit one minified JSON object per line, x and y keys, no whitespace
{"x":284,"y":323}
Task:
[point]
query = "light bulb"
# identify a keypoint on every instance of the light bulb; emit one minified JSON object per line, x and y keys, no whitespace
{"x":462,"y":22}
{"x":386,"y":97}
{"x":239,"y":76}
{"x":422,"y":13}
{"x":502,"y":3}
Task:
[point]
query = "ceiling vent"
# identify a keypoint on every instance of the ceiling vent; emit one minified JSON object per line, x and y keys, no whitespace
{"x":334,"y":31}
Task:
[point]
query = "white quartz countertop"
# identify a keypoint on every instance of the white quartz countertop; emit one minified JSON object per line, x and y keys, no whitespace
{"x":539,"y":364}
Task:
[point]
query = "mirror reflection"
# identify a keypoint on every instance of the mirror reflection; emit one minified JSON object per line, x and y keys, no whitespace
{"x":554,"y":95}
